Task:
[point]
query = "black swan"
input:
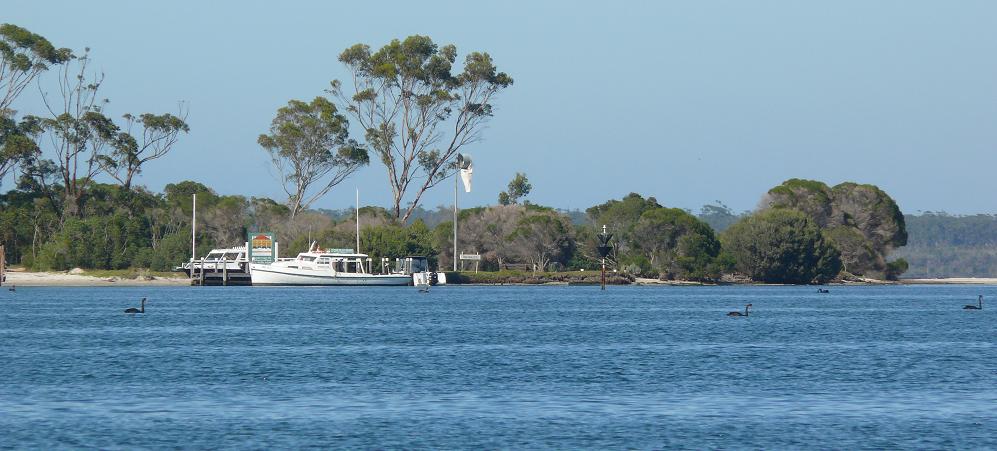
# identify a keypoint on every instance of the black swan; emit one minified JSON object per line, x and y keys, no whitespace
{"x":821,"y":290}
{"x":739,"y":313}
{"x":975,"y":307}
{"x":12,"y":288}
{"x":135,"y":310}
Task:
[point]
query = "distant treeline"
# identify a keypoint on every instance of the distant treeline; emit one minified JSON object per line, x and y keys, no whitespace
{"x":943,"y":245}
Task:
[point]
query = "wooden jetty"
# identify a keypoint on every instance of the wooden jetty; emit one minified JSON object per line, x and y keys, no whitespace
{"x":217,"y":273}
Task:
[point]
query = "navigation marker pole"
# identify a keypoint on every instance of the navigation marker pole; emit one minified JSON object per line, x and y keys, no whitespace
{"x":604,"y":248}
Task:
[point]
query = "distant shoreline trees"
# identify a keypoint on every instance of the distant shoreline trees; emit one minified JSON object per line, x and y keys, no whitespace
{"x":416,"y":113}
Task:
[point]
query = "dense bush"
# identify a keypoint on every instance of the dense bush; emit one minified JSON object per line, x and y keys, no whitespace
{"x":863,"y":222}
{"x":781,"y":246}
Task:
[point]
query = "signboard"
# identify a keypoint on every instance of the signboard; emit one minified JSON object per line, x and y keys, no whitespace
{"x":261,"y":248}
{"x":470,"y":256}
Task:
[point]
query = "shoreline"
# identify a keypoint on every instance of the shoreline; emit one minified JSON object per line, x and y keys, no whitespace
{"x":65,"y":279}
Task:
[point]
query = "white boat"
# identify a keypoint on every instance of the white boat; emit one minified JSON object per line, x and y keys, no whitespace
{"x":417,"y":266}
{"x":232,"y":259}
{"x":319,"y":267}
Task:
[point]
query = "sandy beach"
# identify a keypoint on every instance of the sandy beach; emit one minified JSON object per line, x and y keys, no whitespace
{"x":953,"y":281}
{"x":61,"y":279}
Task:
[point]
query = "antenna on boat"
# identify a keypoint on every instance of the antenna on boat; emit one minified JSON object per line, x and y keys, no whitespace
{"x":358,"y":220}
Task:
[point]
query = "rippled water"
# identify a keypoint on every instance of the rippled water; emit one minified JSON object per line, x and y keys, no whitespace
{"x":498,"y":367}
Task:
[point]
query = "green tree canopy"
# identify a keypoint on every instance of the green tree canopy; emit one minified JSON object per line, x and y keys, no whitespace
{"x":862,"y":221}
{"x":781,"y":246}
{"x":676,"y":243}
{"x":23,"y":56}
{"x":519,"y":187}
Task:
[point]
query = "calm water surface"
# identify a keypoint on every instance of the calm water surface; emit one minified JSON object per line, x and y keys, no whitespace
{"x":498,"y":367}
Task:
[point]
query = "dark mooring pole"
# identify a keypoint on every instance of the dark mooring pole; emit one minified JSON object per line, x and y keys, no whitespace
{"x":604,"y":249}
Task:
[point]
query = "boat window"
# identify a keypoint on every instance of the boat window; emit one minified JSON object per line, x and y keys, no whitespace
{"x":351,"y":267}
{"x":322,"y":261}
{"x":340,"y":266}
{"x":232,"y":256}
{"x":213,"y":256}
{"x":420,"y":265}
{"x":308,"y":258}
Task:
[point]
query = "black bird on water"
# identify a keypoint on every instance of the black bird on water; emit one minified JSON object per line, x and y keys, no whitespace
{"x":975,"y":307}
{"x":12,"y":288}
{"x":822,"y":290}
{"x":135,"y":310}
{"x":739,"y":313}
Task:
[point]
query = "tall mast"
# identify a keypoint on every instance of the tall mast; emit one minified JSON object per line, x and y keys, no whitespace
{"x":358,"y":220}
{"x":193,"y":231}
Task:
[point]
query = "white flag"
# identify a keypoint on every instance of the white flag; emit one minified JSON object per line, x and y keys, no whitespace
{"x":465,"y":176}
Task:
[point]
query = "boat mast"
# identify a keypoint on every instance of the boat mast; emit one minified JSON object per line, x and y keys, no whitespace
{"x":358,"y":220}
{"x":359,"y":260}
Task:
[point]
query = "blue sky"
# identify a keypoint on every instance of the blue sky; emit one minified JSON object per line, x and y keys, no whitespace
{"x":689,"y":102}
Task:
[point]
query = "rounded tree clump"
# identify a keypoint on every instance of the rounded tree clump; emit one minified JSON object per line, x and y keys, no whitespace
{"x":862,"y":221}
{"x":781,"y":246}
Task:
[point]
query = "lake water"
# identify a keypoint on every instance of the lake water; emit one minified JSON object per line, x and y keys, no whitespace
{"x":498,"y":367}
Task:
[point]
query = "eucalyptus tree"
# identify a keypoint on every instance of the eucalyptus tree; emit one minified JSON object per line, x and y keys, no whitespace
{"x":309,"y":146}
{"x":23,"y":56}
{"x":76,"y":130}
{"x":543,"y":237}
{"x":519,"y":187}
{"x":144,"y":138}
{"x":15,"y":143}
{"x":417,"y":114}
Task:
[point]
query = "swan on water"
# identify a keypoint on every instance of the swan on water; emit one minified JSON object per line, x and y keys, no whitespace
{"x":975,"y":307}
{"x":135,"y":310}
{"x":746,"y":307}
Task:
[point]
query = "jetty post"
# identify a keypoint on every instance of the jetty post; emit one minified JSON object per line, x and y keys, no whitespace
{"x":604,"y":248}
{"x":3,"y":265}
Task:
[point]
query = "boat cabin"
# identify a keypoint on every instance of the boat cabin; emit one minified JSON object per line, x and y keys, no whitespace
{"x":411,"y":264}
{"x":338,"y":262}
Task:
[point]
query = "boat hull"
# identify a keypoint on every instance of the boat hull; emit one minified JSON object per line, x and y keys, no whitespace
{"x":267,"y":275}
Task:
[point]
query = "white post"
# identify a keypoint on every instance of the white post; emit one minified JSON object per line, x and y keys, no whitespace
{"x":456,"y":182}
{"x":193,"y":236}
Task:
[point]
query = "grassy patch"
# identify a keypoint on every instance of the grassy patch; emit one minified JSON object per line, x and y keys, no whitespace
{"x":529,"y":277}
